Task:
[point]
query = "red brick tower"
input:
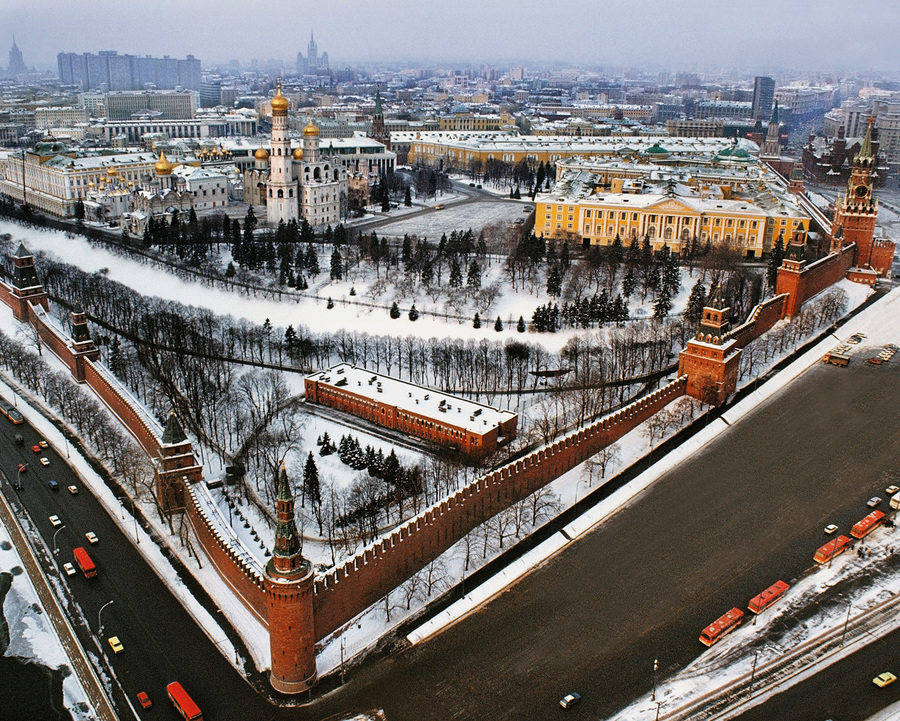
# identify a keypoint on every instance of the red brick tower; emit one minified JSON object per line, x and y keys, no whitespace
{"x":177,"y":466}
{"x":856,"y":211}
{"x":82,"y":343}
{"x":289,"y":590}
{"x":711,"y":360}
{"x":26,"y":286}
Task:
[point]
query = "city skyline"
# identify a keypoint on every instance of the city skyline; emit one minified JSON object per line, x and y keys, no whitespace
{"x":685,"y":34}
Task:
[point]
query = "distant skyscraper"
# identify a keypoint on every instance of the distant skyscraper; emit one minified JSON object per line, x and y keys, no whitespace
{"x":16,"y":63}
{"x":763,"y":97}
{"x":313,"y":63}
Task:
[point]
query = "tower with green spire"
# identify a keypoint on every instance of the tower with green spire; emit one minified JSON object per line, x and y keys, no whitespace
{"x":289,"y":596}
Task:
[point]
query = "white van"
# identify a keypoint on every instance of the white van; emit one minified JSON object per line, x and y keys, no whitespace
{"x":895,"y":500}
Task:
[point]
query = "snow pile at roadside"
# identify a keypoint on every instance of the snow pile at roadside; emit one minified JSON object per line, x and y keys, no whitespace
{"x":31,"y":634}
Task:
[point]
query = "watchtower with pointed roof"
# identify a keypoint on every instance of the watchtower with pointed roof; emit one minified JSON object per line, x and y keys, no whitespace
{"x":26,"y":286}
{"x":82,"y":343}
{"x":711,"y":359}
{"x":177,"y":466}
{"x":289,"y":594}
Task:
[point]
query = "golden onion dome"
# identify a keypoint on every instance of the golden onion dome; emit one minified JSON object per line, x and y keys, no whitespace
{"x":91,"y":185}
{"x":112,"y":172}
{"x":261,"y":154}
{"x":279,"y":102}
{"x":298,"y":153}
{"x":310,"y":128}
{"x":163,"y":166}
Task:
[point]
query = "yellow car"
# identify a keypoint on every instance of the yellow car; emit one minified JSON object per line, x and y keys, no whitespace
{"x":117,"y":646}
{"x":884,"y":679}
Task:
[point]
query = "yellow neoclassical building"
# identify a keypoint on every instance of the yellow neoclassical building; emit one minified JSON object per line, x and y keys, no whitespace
{"x":737,"y":203}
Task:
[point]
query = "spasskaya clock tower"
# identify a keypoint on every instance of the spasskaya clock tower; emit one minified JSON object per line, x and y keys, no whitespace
{"x":856,"y":212}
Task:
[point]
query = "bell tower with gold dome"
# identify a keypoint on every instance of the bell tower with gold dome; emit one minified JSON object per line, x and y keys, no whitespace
{"x":282,"y":202}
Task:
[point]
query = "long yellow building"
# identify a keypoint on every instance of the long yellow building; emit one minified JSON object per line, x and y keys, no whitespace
{"x":739,"y":203}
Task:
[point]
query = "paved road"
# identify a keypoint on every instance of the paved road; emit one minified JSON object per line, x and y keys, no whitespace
{"x":843,"y":692}
{"x":162,"y":642}
{"x":747,"y":511}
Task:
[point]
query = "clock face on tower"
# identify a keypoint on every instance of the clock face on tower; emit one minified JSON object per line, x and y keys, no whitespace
{"x":861,"y":191}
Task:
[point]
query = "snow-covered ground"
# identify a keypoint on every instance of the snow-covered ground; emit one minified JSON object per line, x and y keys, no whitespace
{"x":364,"y":631}
{"x":456,"y":217}
{"x":349,"y":312}
{"x":31,"y":634}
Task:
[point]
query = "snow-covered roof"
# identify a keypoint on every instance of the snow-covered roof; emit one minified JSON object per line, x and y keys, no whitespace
{"x":412,"y":398}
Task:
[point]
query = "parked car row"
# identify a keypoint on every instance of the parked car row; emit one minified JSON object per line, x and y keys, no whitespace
{"x":885,"y":355}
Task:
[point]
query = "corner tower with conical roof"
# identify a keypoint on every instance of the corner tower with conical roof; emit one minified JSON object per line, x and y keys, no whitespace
{"x":282,"y":200}
{"x":289,"y":596}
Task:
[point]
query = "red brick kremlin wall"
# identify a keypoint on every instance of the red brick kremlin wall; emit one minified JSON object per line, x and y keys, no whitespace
{"x":362,"y":580}
{"x":813,"y":279}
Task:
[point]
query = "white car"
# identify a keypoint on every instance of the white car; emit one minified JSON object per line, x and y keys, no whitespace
{"x":891,"y":490}
{"x":873,"y":501}
{"x":830,"y":528}
{"x":570,"y":700}
{"x":69,"y":569}
{"x":92,"y":537}
{"x":73,"y":490}
{"x":45,"y":461}
{"x":55,"y":522}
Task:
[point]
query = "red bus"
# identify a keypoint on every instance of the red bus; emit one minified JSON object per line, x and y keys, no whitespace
{"x":7,"y":410}
{"x":183,"y":703}
{"x":85,"y":563}
{"x":760,"y":603}
{"x":867,"y":524}
{"x":831,"y":549}
{"x":721,"y":626}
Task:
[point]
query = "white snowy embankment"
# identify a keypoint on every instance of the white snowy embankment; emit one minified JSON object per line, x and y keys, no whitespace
{"x":31,"y":634}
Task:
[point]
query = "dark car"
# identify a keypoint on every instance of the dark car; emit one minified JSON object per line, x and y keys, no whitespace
{"x":54,"y":486}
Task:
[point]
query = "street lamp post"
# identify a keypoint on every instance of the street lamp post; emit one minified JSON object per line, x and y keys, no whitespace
{"x":19,"y":476}
{"x":653,"y":695}
{"x":99,"y":622}
{"x":55,"y":547}
{"x":846,"y":622}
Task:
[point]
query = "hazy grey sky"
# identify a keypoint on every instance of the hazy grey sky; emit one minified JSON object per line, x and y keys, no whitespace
{"x":754,"y":35}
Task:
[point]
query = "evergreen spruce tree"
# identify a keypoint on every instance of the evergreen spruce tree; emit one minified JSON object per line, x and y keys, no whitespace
{"x":407,"y":198}
{"x":476,"y":323}
{"x":413,"y":313}
{"x":520,"y":326}
{"x":498,"y":324}
{"x":337,"y":265}
{"x":311,"y":487}
{"x":395,"y":311}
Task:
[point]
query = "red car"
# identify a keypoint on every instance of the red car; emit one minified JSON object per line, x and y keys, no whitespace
{"x":36,"y":448}
{"x":144,"y":699}
{"x":22,"y":468}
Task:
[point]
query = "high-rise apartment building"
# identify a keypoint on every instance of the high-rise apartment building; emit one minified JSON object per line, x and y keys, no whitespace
{"x":763,"y":97}
{"x":110,"y":71}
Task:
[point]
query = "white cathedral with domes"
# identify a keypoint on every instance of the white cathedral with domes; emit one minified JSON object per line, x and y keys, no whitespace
{"x":298,"y":183}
